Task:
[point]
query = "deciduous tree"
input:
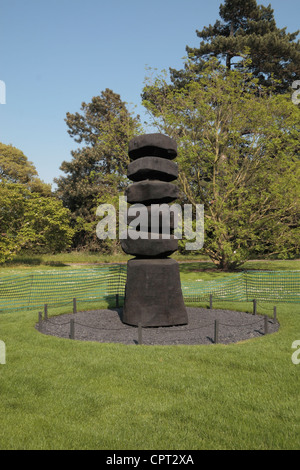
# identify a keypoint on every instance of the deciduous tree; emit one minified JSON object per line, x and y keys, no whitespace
{"x":16,"y":168}
{"x":238,"y":154}
{"x":31,"y":221}
{"x":97,"y":170}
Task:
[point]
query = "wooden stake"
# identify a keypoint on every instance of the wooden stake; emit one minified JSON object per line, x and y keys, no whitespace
{"x":140,"y":334}
{"x":72,"y":329}
{"x":46,"y":312}
{"x":40,"y":320}
{"x":216,"y":338}
{"x":266,"y":324}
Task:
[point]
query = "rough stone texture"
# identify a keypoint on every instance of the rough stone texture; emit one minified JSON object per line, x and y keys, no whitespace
{"x":153,"y":290}
{"x":152,"y":168}
{"x":157,"y":145}
{"x":150,"y":248}
{"x":158,"y":220}
{"x":151,"y":192}
{"x":153,"y":294}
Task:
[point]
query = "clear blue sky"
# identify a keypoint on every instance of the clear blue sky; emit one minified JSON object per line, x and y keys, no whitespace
{"x":55,"y":54}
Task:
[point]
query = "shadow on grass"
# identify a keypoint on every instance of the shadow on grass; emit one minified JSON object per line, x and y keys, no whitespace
{"x":55,"y":263}
{"x":256,"y":265}
{"x":24,"y":260}
{"x":114,"y":302}
{"x":32,"y":261}
{"x":197,"y":267}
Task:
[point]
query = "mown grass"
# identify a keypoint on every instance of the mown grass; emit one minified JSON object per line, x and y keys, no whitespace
{"x":63,"y":394}
{"x":205,"y":270}
{"x":197,"y":266}
{"x":80,"y":257}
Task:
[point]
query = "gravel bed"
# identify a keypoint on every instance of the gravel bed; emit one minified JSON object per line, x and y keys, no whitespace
{"x":105,"y":326}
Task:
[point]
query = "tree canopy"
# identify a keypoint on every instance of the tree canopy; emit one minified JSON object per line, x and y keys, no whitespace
{"x":31,"y":221}
{"x":97,"y":170}
{"x":247,"y":26}
{"x":230,"y":109}
{"x":238,"y":154}
{"x":15,"y":168}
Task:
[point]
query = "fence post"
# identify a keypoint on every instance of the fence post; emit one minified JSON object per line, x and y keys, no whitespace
{"x":275,"y":314}
{"x":40,"y":321}
{"x":74,"y":306}
{"x":254,"y":307}
{"x":216,"y":337}
{"x":117,"y":300}
{"x":210,"y":301}
{"x":72,"y":329}
{"x":46,"y":312}
{"x":140,"y":334}
{"x":266,"y":319}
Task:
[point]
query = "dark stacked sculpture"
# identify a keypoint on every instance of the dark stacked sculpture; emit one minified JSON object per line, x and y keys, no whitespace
{"x":153,"y":294}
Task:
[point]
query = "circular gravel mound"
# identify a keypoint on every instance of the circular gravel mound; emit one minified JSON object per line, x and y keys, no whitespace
{"x":105,"y":326}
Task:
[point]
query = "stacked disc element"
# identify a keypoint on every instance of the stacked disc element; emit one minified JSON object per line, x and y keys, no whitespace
{"x":153,"y":290}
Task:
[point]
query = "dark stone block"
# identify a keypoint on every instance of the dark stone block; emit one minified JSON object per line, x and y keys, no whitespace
{"x":153,"y":168}
{"x":153,"y":294}
{"x":151,"y":192}
{"x":157,"y":145}
{"x":159,"y":219}
{"x":152,"y":248}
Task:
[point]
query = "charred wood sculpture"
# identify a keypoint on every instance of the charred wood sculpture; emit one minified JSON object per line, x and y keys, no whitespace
{"x":153,"y":294}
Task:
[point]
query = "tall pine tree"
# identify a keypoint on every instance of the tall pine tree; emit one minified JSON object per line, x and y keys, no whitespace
{"x":246,"y":26}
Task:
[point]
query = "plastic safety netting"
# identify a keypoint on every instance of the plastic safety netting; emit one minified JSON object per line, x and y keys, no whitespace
{"x":103,"y":283}
{"x":57,"y":288}
{"x":264,"y":286}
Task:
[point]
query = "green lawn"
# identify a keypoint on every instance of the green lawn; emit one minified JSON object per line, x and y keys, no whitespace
{"x":64,"y":394}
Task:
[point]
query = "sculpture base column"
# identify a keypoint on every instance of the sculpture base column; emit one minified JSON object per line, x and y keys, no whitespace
{"x":153,"y":294}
